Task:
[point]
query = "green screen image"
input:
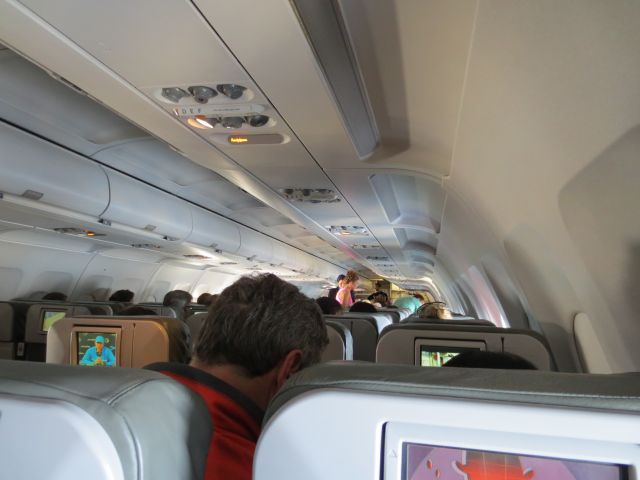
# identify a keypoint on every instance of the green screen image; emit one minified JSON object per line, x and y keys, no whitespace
{"x":49,"y":318}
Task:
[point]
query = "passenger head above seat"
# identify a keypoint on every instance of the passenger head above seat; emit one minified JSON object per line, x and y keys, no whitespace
{"x":178,"y":300}
{"x":363,"y":307}
{"x":136,"y":310}
{"x":260,"y":324}
{"x":124,"y":296}
{"x":55,"y":296}
{"x":204,"y":299}
{"x":329,"y":306}
{"x":480,"y":359}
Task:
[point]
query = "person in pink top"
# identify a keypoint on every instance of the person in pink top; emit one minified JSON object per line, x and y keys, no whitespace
{"x":347,"y":284}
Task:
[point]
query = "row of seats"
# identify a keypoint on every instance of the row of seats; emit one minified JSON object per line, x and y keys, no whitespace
{"x":411,"y":342}
{"x":24,"y":324}
{"x":394,"y":422}
{"x":359,"y":336}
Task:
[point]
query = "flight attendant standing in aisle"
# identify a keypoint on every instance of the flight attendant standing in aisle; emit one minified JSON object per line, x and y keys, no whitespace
{"x":349,"y":283}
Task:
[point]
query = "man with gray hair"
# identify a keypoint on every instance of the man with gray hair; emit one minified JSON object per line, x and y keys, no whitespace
{"x":261,"y":331}
{"x":178,"y":300}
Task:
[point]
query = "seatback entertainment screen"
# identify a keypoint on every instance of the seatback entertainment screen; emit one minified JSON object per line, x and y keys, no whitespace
{"x":49,"y":317}
{"x":97,"y":349}
{"x":438,"y":356}
{"x":426,"y":462}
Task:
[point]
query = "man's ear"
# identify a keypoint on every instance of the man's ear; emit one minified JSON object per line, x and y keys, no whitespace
{"x":288,"y":366}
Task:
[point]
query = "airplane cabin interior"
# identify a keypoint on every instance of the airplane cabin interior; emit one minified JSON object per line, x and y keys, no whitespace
{"x":480,"y":153}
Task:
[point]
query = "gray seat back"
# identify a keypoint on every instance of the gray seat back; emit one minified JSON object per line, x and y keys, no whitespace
{"x":7,"y":332}
{"x":159,"y":309}
{"x":63,"y":422}
{"x":454,"y":322}
{"x":36,"y":321}
{"x":364,"y":332}
{"x":363,"y":415}
{"x":194,"y":322}
{"x":340,"y":343}
{"x":380,"y":319}
{"x":400,"y":343}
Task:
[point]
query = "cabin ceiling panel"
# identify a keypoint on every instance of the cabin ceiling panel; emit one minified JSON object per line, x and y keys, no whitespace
{"x":38,"y":102}
{"x":119,"y":33}
{"x":413,"y":55}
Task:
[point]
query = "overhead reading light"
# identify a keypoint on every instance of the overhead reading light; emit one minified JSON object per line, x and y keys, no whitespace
{"x":174,"y":94}
{"x":231,"y":90}
{"x":202,"y":94}
{"x":202,"y":122}
{"x":346,"y":230}
{"x":363,"y":246}
{"x":328,"y":36}
{"x":232,"y":122}
{"x":310,"y":195}
{"x":258,"y":120}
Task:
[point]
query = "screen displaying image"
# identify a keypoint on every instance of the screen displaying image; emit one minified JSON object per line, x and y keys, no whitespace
{"x":49,"y":317}
{"x":426,"y":462}
{"x":438,"y":356}
{"x":97,"y":349}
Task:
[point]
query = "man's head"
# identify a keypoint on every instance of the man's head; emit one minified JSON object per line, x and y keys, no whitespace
{"x":204,"y":299}
{"x":340,"y":278}
{"x":99,"y":344}
{"x":329,"y":306}
{"x":124,"y":296}
{"x":265,"y":327}
{"x":55,"y":296}
{"x":178,"y":300}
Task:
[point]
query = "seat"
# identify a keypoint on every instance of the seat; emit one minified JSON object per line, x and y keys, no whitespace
{"x":340,"y":345}
{"x":135,"y":341}
{"x":455,"y":321}
{"x":194,"y":322}
{"x":7,"y":332}
{"x":159,"y":309}
{"x":63,"y":422}
{"x":39,"y":318}
{"x":407,"y":343}
{"x":364,"y":332}
{"x":404,"y":422}
{"x":380,"y":319}
{"x":395,"y":314}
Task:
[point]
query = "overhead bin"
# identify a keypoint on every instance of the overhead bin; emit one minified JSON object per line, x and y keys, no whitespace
{"x":138,"y":205}
{"x":39,"y":170}
{"x":254,"y":245}
{"x":211,"y":230}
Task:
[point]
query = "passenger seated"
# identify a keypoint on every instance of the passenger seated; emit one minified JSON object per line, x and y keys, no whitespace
{"x":261,"y":332}
{"x":379,"y":297}
{"x":135,"y":311}
{"x":409,"y":302}
{"x":55,"y":296}
{"x":329,"y":306}
{"x":123,"y":296}
{"x":363,"y":307}
{"x":480,"y":359}
{"x":437,"y":310}
{"x":204,"y":299}
{"x":178,"y":300}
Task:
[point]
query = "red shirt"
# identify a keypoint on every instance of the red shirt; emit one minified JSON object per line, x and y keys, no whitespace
{"x":235,"y":418}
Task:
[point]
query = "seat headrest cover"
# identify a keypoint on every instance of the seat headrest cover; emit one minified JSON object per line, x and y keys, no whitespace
{"x":620,"y":392}
{"x":159,"y":428}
